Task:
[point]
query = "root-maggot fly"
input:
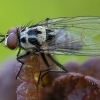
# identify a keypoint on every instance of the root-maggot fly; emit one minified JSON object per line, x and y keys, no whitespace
{"x":65,"y":35}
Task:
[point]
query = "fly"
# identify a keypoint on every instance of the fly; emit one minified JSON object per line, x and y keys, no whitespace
{"x":65,"y":35}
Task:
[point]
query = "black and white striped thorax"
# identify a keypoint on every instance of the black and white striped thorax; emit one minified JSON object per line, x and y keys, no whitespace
{"x":32,"y":36}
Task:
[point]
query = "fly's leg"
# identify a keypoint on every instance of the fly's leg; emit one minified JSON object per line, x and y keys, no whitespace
{"x":22,"y":63}
{"x":18,"y":59}
{"x":55,"y":71}
{"x":48,"y":67}
{"x":57,"y":63}
{"x":64,"y":70}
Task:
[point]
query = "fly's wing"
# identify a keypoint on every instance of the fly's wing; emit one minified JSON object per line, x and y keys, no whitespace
{"x":85,"y":32}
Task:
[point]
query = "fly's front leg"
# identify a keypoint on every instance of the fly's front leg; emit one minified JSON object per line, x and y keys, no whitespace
{"x":22,"y":63}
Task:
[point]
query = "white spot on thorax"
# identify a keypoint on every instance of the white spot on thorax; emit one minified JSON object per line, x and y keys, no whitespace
{"x":41,"y":37}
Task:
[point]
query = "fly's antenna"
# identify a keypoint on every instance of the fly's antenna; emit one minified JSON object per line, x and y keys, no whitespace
{"x":3,"y":38}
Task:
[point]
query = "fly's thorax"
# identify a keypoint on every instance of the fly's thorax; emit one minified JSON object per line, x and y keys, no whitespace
{"x":32,"y":36}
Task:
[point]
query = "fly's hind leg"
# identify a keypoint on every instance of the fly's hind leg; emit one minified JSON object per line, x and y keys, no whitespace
{"x":64,"y":70}
{"x":58,"y":64}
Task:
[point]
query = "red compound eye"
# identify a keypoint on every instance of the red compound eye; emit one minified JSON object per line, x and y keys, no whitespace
{"x":12,"y":39}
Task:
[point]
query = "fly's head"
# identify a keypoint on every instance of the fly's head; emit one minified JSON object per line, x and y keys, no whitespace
{"x":11,"y":39}
{"x":30,"y":37}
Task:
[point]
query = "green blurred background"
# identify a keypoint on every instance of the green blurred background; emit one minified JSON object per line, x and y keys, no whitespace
{"x":17,"y":12}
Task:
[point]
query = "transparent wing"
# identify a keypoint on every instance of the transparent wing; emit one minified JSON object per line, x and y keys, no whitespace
{"x":83,"y":34}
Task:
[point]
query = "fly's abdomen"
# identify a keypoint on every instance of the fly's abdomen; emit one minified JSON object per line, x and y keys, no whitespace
{"x":64,"y":40}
